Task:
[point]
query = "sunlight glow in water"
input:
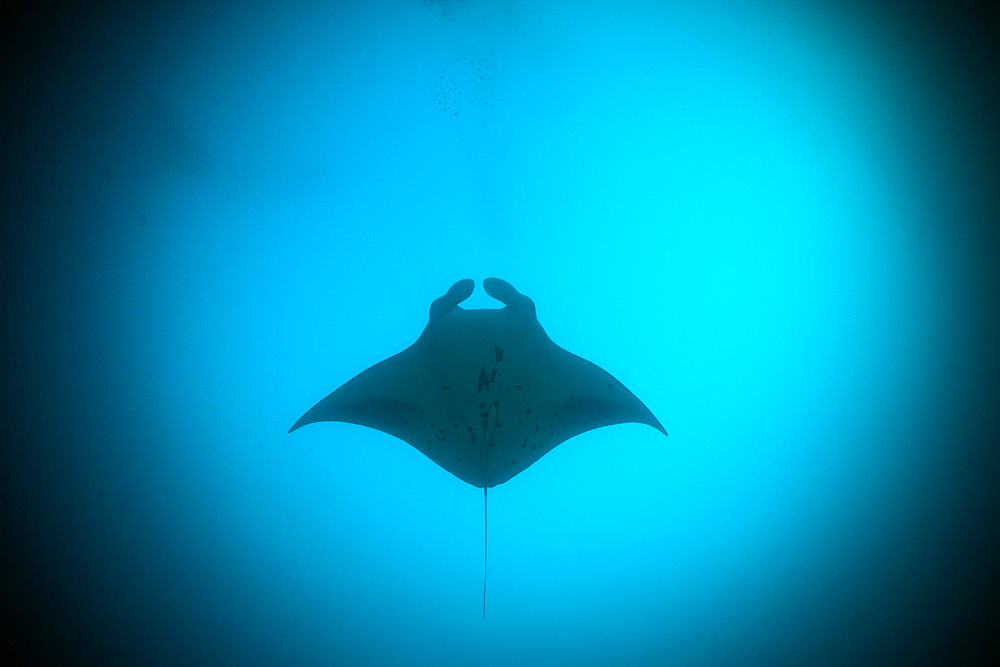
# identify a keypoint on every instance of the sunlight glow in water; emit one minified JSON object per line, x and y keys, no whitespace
{"x":736,"y":210}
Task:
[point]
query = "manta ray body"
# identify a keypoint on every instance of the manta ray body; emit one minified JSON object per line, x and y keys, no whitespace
{"x":483,"y":393}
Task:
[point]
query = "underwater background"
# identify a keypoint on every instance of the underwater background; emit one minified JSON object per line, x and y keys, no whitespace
{"x":774,"y":222}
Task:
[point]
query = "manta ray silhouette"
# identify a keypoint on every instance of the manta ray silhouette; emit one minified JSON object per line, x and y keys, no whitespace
{"x":483,"y":393}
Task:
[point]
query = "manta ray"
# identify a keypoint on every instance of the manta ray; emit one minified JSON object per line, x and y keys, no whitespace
{"x":484,"y":393}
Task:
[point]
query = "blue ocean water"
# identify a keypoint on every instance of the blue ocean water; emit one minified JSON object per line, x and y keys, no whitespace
{"x":775,"y":223}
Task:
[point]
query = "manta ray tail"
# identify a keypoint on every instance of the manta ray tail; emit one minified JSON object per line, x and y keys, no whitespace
{"x":485,"y":542}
